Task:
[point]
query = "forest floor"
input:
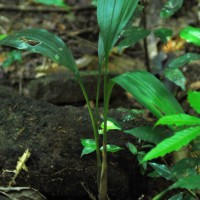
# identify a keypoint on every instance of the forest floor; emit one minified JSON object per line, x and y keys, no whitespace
{"x":42,"y":108}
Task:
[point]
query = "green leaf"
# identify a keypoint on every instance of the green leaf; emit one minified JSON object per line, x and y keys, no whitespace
{"x":162,"y":170}
{"x":170,"y":7}
{"x":191,"y":34}
{"x":164,"y":34}
{"x":183,"y":60}
{"x":174,"y":143}
{"x":2,"y":36}
{"x":178,"y":120}
{"x":176,"y":76}
{"x":194,"y":100}
{"x":112,"y":148}
{"x":185,"y":166}
{"x":149,"y":92}
{"x":88,"y":143}
{"x":112,"y":124}
{"x":52,"y":2}
{"x":149,"y":134}
{"x":132,"y":35}
{"x":132,"y":148}
{"x":112,"y":17}
{"x":87,"y":150}
{"x":178,"y":196}
{"x":190,"y":182}
{"x":89,"y":146}
{"x":43,"y":42}
{"x":189,"y":196}
{"x":12,"y":57}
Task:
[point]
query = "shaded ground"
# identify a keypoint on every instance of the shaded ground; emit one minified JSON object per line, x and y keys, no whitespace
{"x":53,"y":133}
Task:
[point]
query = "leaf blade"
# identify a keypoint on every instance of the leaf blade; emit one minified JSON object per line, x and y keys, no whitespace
{"x":183,"y":60}
{"x":191,"y":34}
{"x":178,"y":120}
{"x":173,"y":143}
{"x":170,"y":7}
{"x":194,"y":99}
{"x":45,"y":43}
{"x":113,"y":16}
{"x":149,"y":92}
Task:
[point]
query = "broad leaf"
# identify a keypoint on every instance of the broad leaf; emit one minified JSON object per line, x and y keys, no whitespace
{"x":170,"y":7}
{"x":176,"y":76}
{"x":178,"y":196}
{"x":149,"y":134}
{"x":162,"y":170}
{"x":112,"y":124}
{"x":190,"y":182}
{"x":183,"y":60}
{"x":149,"y":92}
{"x":43,"y":42}
{"x":163,"y":33}
{"x":87,"y":150}
{"x":191,"y":34}
{"x":132,"y":35}
{"x":112,"y":148}
{"x":178,"y":120}
{"x":194,"y":100}
{"x":113,"y":16}
{"x":88,"y":143}
{"x":89,"y":146}
{"x":132,"y":148}
{"x":185,"y":166}
{"x":174,"y":143}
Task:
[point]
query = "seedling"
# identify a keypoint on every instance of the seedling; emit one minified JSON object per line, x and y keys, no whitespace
{"x":114,"y":20}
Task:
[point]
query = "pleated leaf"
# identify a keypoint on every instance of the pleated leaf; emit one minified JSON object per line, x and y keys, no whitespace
{"x":194,"y":100}
{"x":178,"y":120}
{"x":149,"y":133}
{"x":113,"y":16}
{"x":42,"y":42}
{"x":174,"y":143}
{"x":149,"y":92}
{"x":190,"y":182}
{"x":132,"y":35}
{"x":191,"y":34}
{"x":170,"y":7}
{"x":163,"y":33}
{"x":183,"y":60}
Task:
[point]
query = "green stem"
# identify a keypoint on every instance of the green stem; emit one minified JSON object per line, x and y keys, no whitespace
{"x":95,"y":131}
{"x":103,"y":189}
{"x":98,"y":88}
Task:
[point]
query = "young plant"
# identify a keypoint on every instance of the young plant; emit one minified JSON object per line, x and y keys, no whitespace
{"x":185,"y":173}
{"x":114,"y":19}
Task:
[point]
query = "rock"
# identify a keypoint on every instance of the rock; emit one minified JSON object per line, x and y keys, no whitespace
{"x":64,"y":89}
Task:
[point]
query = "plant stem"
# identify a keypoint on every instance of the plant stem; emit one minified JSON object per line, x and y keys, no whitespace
{"x":95,"y":131}
{"x":103,"y":190}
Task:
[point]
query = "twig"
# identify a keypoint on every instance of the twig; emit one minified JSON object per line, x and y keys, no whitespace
{"x":87,"y":190}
